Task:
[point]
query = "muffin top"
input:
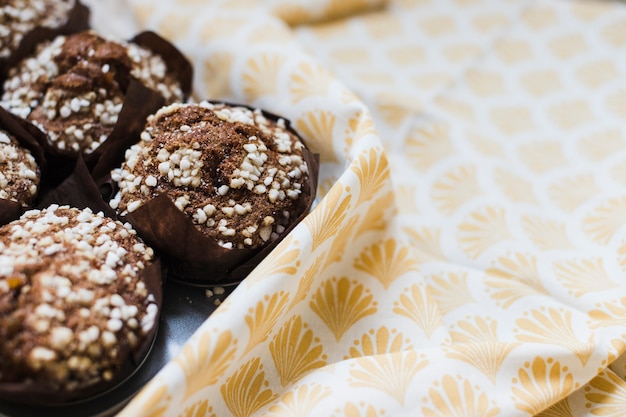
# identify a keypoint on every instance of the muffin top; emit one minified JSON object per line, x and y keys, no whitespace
{"x":73,"y":88}
{"x":72,"y":302}
{"x":19,"y":17}
{"x":235,"y":172}
{"x":19,"y":172}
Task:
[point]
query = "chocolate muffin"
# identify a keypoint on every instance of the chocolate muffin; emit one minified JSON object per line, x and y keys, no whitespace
{"x":74,"y":305}
{"x":237,"y":174}
{"x":19,"y":17}
{"x":19,"y":172}
{"x":74,"y":86}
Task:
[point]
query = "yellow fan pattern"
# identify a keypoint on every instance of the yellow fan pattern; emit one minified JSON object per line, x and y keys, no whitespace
{"x":466,"y":253}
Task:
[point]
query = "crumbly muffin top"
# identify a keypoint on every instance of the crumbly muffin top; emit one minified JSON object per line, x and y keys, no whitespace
{"x":19,"y":172}
{"x":71,"y":88}
{"x":72,"y":304}
{"x":237,"y":174}
{"x":18,"y":17}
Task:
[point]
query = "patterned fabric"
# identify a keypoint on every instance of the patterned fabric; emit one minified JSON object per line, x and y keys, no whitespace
{"x":467,"y":254}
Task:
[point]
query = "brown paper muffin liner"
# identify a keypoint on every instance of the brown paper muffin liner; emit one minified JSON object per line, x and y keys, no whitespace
{"x":27,"y":136}
{"x":77,"y":190}
{"x":9,"y":211}
{"x":190,"y":256}
{"x":78,"y":20}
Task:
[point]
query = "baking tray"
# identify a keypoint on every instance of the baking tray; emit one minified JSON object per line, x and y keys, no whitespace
{"x":184,"y":309}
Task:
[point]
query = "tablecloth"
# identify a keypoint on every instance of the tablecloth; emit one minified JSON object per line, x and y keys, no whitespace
{"x":467,"y":253}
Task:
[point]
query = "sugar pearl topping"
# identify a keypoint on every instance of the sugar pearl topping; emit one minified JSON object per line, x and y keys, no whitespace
{"x":71,"y":297}
{"x":19,"y":172}
{"x":19,"y":17}
{"x":70,"y":91}
{"x":221,"y":165}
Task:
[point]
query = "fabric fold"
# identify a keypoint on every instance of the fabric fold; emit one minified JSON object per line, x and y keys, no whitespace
{"x":466,"y":250}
